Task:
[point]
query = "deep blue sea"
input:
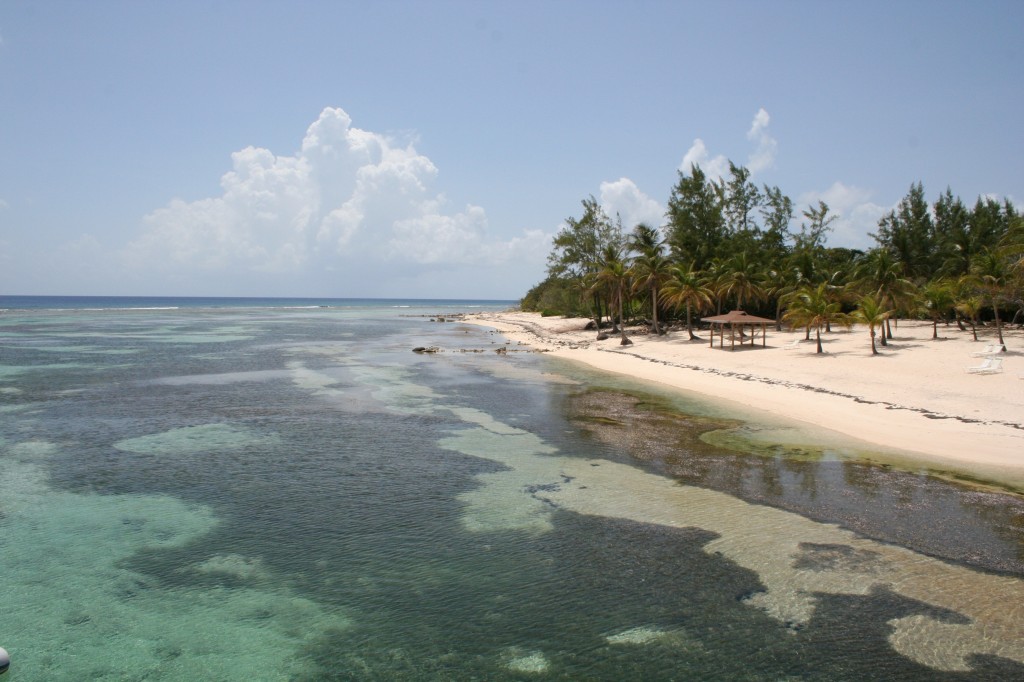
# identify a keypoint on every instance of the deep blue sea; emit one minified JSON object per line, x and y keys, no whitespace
{"x":280,"y":489}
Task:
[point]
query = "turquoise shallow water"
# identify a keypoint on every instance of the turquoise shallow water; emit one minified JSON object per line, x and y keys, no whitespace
{"x":283,"y":492}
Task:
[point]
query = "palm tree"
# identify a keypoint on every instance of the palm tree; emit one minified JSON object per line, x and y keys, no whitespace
{"x":740,"y":279}
{"x":650,"y":272}
{"x":804,"y":267}
{"x":871,"y":312}
{"x":880,"y":274}
{"x":838,"y":291}
{"x":686,"y":288}
{"x":969,"y":307}
{"x":616,"y":277}
{"x":815,"y":308}
{"x":714,"y":275}
{"x":992,"y":274}
{"x":650,"y":266}
{"x":778,"y":285}
{"x":1011,"y":247}
{"x":590,"y":290}
{"x":646,"y":240}
{"x":936,"y":298}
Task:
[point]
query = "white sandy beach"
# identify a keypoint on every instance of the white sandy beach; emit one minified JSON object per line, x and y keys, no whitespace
{"x":916,"y":396}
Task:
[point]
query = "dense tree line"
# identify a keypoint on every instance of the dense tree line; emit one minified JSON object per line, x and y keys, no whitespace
{"x":729,"y":244}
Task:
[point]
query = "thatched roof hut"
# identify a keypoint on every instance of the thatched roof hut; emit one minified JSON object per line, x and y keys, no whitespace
{"x":741,"y":319}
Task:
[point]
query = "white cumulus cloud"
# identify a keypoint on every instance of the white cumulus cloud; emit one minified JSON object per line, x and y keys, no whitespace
{"x":761,"y":158}
{"x":623,"y":198}
{"x":347,"y":196}
{"x":698,"y":155}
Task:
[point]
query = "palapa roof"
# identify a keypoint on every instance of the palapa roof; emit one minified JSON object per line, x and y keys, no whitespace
{"x":737,"y":317}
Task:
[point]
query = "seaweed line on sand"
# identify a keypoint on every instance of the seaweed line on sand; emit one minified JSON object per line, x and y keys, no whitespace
{"x":817,"y":389}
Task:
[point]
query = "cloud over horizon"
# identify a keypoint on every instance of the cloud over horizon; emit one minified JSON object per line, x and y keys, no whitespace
{"x":356,"y":213}
{"x":347,"y":198}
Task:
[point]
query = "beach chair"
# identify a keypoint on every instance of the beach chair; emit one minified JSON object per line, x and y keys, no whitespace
{"x":792,"y":344}
{"x":990,"y":349}
{"x":990,"y":366}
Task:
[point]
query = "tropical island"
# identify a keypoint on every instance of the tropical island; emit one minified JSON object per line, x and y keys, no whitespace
{"x":915,"y":344}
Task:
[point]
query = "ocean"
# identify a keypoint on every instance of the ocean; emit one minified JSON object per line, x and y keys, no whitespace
{"x":280,"y":489}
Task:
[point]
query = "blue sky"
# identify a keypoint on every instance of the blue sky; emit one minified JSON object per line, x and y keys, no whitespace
{"x":432,"y":149}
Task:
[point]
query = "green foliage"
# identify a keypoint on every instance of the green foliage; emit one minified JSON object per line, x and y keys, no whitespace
{"x":650,"y":268}
{"x":880,"y":274}
{"x":777,"y":213}
{"x":741,"y":199}
{"x":555,"y":296}
{"x":614,"y":279}
{"x":686,"y":289}
{"x":696,"y":224}
{"x":930,"y":261}
{"x":578,"y":245}
{"x":908,"y":234}
{"x":814,"y":308}
{"x":873,"y":313}
{"x":936,"y":300}
{"x":815,"y":230}
{"x":957,"y":242}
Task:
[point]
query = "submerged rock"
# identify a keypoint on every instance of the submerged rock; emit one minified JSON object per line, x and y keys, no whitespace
{"x":525,"y":661}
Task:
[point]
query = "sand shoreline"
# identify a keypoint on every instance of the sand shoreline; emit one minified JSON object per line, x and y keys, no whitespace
{"x":916,"y":397}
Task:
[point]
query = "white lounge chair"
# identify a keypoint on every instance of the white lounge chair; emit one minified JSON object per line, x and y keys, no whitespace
{"x":990,"y":366}
{"x":990,"y":349}
{"x":792,"y":344}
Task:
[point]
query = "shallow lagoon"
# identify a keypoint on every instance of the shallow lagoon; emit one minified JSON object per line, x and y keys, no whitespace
{"x":292,"y":494}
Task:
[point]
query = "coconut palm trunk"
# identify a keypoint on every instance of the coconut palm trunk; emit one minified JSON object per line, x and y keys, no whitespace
{"x":654,"y":310}
{"x":871,"y":312}
{"x":624,"y":341}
